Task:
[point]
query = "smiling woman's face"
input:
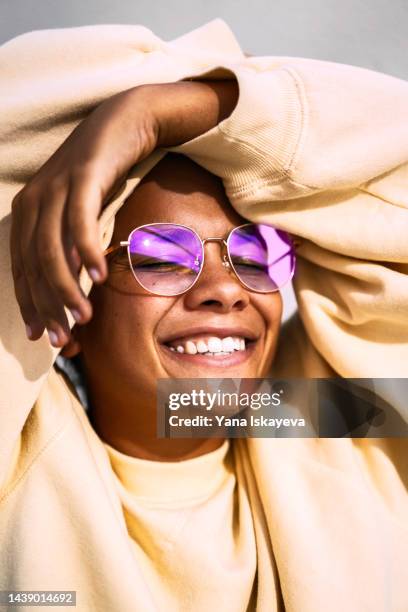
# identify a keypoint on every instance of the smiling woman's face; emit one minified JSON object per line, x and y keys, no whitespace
{"x":127,"y":344}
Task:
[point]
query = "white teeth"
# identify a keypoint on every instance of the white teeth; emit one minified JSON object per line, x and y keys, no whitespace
{"x":191,"y":348}
{"x":211,"y":346}
{"x":202,"y":346}
{"x":228,"y":344}
{"x":214,"y":345}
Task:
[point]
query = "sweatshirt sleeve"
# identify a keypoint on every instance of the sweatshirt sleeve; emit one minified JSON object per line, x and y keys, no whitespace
{"x":320,"y":150}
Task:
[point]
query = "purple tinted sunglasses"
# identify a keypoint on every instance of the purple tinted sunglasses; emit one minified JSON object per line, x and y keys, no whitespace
{"x":167,"y":258}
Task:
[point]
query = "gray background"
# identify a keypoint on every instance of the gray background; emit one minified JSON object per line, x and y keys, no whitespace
{"x":368,"y":33}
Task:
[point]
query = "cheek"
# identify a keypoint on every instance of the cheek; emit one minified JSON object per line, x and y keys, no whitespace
{"x":121,"y":332}
{"x":270,"y":307}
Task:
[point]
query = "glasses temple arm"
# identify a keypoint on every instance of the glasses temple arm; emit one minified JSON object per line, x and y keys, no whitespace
{"x":115,"y":247}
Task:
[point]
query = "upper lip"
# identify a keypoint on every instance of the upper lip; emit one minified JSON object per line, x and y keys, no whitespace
{"x":218,"y":331}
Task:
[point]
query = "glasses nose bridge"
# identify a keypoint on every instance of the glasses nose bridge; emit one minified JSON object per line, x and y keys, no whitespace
{"x":222,"y":240}
{"x":224,"y":249}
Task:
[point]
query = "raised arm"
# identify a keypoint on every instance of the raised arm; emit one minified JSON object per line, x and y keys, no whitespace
{"x":51,"y":82}
{"x":55,"y":216}
{"x":321,"y":150}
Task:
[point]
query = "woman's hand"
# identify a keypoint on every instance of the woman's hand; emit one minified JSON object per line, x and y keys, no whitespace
{"x":54,"y":217}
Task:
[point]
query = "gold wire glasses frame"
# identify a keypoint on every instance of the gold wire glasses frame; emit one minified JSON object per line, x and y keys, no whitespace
{"x":226,"y":259}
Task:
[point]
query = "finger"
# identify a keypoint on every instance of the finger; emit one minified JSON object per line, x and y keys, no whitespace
{"x":72,"y":255}
{"x":84,"y":205}
{"x":54,"y":259}
{"x":34,"y":326}
{"x":47,"y":305}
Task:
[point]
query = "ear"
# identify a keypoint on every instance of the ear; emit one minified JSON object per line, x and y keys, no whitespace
{"x":73,"y":347}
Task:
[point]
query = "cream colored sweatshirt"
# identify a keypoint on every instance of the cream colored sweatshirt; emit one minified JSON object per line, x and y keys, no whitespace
{"x":318,"y":149}
{"x":194,"y":519}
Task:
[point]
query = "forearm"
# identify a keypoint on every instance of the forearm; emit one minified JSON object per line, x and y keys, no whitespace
{"x":184,"y":110}
{"x":201,"y":106}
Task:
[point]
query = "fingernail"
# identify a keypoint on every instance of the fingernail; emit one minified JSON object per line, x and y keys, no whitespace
{"x":29,"y":332}
{"x":53,"y":337}
{"x":76,"y":314}
{"x":94,"y":274}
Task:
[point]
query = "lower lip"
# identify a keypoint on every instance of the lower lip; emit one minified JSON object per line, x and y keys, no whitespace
{"x":219,"y":361}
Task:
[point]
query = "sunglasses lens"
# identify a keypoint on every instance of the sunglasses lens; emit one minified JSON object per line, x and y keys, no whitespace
{"x":262,"y":256}
{"x":166,"y":259}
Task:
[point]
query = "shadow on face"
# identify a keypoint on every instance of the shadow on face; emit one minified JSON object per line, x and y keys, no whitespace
{"x":178,"y":190}
{"x":135,"y":337}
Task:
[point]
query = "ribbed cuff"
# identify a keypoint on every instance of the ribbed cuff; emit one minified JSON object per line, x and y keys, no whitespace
{"x":259,"y":141}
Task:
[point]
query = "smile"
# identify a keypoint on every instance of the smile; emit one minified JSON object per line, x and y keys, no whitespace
{"x":209,"y":346}
{"x":228,"y":347}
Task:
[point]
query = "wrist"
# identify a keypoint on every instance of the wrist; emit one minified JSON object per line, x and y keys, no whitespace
{"x":184,"y":110}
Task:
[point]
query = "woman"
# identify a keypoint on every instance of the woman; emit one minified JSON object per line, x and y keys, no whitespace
{"x":305,"y":524}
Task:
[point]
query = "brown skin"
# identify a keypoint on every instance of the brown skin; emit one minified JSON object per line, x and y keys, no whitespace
{"x":54,"y":218}
{"x":122,"y":346}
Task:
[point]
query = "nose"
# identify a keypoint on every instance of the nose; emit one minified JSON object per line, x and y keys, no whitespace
{"x":217,"y":289}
